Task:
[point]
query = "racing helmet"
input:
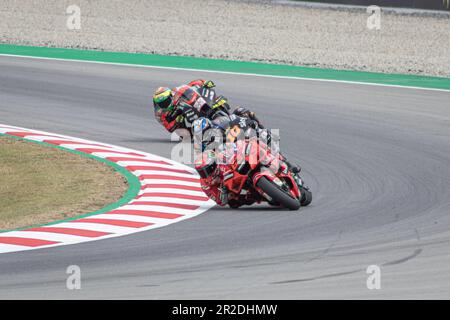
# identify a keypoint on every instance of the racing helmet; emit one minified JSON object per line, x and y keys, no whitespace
{"x":200,"y":125}
{"x":206,"y":166}
{"x":162,"y":98}
{"x":203,"y":133}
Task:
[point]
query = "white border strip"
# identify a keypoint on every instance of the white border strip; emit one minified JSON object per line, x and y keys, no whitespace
{"x":231,"y":73}
{"x":161,"y":210}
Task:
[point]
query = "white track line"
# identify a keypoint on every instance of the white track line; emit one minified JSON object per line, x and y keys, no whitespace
{"x":230,"y":72}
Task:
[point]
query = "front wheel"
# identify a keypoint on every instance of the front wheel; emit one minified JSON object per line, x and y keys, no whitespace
{"x":306,"y":197}
{"x":277,"y":194}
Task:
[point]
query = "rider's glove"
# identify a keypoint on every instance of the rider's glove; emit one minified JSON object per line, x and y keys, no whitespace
{"x":173,"y":115}
{"x":209,"y":84}
{"x":179,"y":119}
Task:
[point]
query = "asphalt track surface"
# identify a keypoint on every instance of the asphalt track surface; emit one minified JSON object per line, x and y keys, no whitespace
{"x":377,"y":160}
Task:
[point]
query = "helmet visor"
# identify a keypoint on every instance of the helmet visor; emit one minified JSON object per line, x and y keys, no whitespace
{"x":207,"y":170}
{"x":163,"y":100}
{"x":164,"y":104}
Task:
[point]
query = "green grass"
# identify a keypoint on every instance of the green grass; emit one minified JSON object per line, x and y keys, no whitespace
{"x":40,"y":184}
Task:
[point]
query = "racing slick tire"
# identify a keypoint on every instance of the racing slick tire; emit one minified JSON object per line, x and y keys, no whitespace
{"x":306,"y":197}
{"x":277,"y":194}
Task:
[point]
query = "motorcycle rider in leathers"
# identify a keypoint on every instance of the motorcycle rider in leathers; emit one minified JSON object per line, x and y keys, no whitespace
{"x":212,"y":175}
{"x":165,"y":104}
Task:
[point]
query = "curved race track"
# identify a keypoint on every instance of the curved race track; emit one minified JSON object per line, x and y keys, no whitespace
{"x":377,"y":159}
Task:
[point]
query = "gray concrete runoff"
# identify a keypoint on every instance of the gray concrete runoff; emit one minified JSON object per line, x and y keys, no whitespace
{"x":376,"y":158}
{"x":258,"y":30}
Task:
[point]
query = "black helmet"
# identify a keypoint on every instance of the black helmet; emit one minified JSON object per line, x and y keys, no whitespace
{"x":207,"y":166}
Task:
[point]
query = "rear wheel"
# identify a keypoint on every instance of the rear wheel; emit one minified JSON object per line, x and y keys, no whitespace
{"x":277,"y":194}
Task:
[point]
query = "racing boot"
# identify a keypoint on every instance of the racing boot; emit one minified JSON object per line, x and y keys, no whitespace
{"x":294,"y":168}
